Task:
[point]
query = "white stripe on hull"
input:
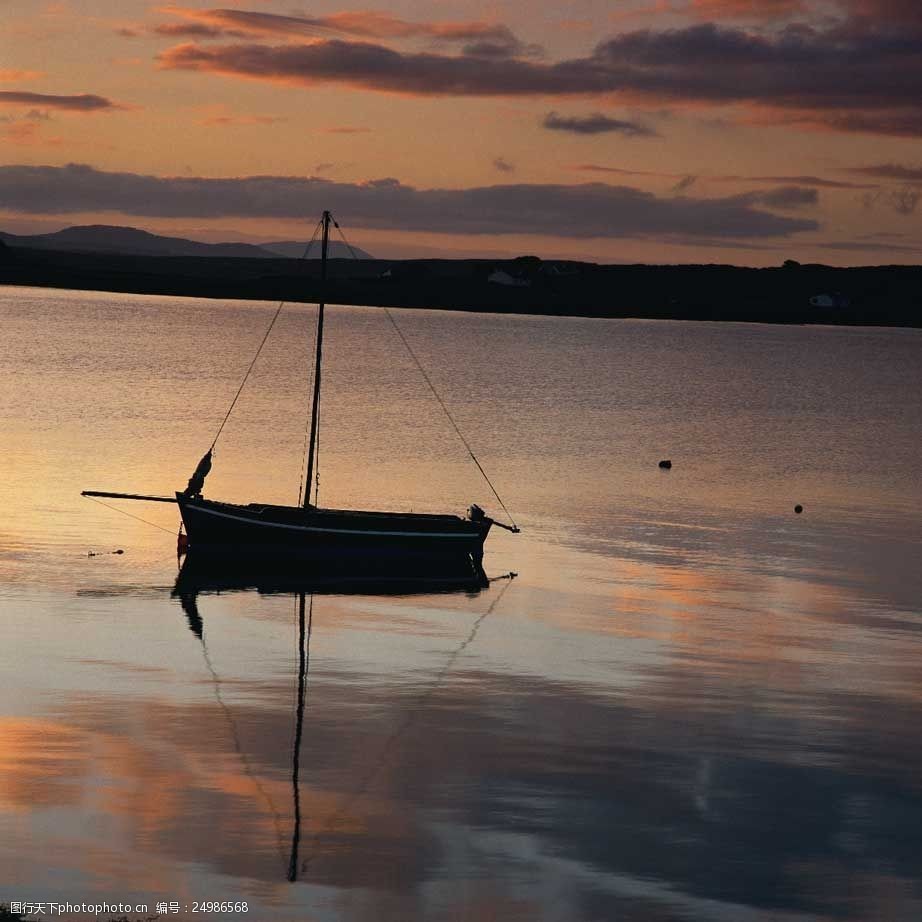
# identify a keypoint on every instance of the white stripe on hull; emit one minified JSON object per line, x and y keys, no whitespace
{"x":335,"y":531}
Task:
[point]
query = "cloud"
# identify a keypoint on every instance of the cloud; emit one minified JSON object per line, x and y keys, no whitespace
{"x":189,"y":30}
{"x":838,"y":79}
{"x":784,"y":197}
{"x":503,"y":165}
{"x":684,"y":184}
{"x":618,"y":171}
{"x":890,"y":171}
{"x":900,"y":12}
{"x":28,"y":130}
{"x":357,"y":24}
{"x":859,"y":246}
{"x":21,"y":133}
{"x":716,"y":64}
{"x":746,"y":9}
{"x":854,"y":11}
{"x":904,"y":201}
{"x":26,"y":133}
{"x":855,"y":76}
{"x":815,"y":181}
{"x":898,"y":123}
{"x":83,"y":103}
{"x":382,"y":69}
{"x":579,"y":211}
{"x":236,"y":120}
{"x":595,"y":124}
{"x":11,"y":75}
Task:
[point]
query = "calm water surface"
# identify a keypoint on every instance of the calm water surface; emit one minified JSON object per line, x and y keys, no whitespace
{"x":690,"y":704}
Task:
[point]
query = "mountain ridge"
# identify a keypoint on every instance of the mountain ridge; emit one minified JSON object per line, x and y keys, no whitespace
{"x":128,"y":241}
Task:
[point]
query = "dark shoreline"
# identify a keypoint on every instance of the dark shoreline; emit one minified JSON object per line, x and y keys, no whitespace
{"x":872,"y":296}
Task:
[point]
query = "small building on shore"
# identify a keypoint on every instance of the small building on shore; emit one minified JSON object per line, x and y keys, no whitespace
{"x":833,"y":300}
{"x":501,"y":277}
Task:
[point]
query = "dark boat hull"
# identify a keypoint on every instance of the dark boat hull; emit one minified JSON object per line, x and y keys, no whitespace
{"x":228,"y":529}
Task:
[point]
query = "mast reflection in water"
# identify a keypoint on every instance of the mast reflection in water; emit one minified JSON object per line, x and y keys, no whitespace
{"x":304,"y":640}
{"x":200,"y":575}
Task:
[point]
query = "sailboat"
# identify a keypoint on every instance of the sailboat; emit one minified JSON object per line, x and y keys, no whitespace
{"x":311,"y":531}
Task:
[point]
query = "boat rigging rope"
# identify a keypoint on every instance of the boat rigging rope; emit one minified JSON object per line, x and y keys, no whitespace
{"x":275,"y":317}
{"x":451,"y":419}
{"x":235,"y":735}
{"x":435,"y":393}
{"x":303,"y":462}
{"x":130,"y":515}
{"x":385,"y":752}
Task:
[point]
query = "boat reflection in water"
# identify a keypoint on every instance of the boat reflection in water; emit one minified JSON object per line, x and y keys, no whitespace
{"x":205,"y":574}
{"x":330,"y":575}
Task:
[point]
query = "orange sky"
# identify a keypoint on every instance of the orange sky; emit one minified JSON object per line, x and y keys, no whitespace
{"x":746,"y":131}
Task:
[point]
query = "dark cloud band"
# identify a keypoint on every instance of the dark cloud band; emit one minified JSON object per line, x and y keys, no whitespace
{"x":890,"y":171}
{"x":83,"y":103}
{"x":376,"y":67}
{"x":580,"y":211}
{"x":854,"y":76}
{"x":595,"y":124}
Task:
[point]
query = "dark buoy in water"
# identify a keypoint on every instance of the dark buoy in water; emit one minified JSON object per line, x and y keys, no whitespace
{"x":798,"y":509}
{"x":666,"y":465}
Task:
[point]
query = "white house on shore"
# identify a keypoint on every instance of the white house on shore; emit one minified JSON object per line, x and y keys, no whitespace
{"x":833,"y":300}
{"x":499,"y":277}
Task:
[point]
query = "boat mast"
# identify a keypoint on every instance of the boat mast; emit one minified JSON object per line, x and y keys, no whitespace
{"x":315,"y":409}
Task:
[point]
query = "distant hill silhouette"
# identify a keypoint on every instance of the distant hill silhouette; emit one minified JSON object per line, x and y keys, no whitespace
{"x":295,"y":250}
{"x":106,"y":238}
{"x":793,"y":293}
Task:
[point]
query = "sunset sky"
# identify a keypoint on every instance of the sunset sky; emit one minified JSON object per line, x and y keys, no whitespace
{"x":743,"y":131}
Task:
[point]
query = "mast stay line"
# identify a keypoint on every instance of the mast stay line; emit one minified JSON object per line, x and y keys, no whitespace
{"x":435,"y":393}
{"x":197,"y":480}
{"x":258,"y":351}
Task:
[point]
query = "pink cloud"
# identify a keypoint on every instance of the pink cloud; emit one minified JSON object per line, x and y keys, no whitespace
{"x":11,"y":75}
{"x":362,"y":24}
{"x":229,"y":120}
{"x":28,"y":132}
{"x":746,"y":9}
